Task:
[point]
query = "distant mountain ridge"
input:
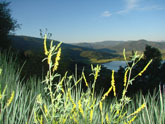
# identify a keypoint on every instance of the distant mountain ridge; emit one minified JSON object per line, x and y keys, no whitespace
{"x":118,"y":46}
{"x":98,"y":52}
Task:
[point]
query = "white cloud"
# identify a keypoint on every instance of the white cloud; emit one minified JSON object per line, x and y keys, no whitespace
{"x":130,"y":5}
{"x":154,"y":7}
{"x":106,"y":14}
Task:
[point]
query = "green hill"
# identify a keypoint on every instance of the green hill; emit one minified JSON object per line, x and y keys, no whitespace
{"x":69,"y":51}
{"x":118,"y":46}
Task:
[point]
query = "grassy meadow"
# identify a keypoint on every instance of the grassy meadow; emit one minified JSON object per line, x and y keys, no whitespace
{"x":57,"y":99}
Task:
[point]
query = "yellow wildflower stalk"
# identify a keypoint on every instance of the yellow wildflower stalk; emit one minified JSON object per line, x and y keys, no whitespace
{"x":45,"y":109}
{"x":107,"y":118}
{"x":78,"y":81}
{"x":74,"y":118}
{"x":41,"y":120}
{"x":125,"y":77}
{"x":111,"y":108}
{"x":101,"y":106}
{"x":49,"y":57}
{"x":124,"y":115}
{"x":51,"y":44}
{"x":3,"y":93}
{"x":74,"y":105}
{"x":86,"y":83}
{"x":0,"y":71}
{"x":97,"y":72}
{"x":80,"y":107}
{"x":113,"y":83}
{"x":35,"y":118}
{"x":132,"y":119}
{"x":57,"y":60}
{"x":106,"y":94}
{"x":39,"y":99}
{"x":138,"y":110}
{"x":45,"y":47}
{"x":58,"y":46}
{"x":10,"y":99}
{"x":91,"y":115}
{"x":64,"y":120}
{"x":124,"y":55}
{"x":140,"y":74}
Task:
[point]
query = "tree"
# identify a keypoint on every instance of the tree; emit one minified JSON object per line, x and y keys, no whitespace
{"x":152,"y":77}
{"x":7,"y":24}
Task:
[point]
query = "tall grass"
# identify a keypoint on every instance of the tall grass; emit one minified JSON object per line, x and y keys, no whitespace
{"x":154,"y":111}
{"x":20,"y":109}
{"x":61,"y":100}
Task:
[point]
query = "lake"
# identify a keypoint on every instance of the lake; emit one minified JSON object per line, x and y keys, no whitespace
{"x":115,"y":65}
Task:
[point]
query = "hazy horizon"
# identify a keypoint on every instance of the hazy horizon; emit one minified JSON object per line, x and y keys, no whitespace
{"x":74,"y":21}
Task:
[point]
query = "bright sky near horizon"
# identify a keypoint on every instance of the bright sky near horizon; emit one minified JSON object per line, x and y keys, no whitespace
{"x":91,"y":20}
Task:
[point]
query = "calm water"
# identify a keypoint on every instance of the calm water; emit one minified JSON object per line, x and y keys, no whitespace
{"x":115,"y":65}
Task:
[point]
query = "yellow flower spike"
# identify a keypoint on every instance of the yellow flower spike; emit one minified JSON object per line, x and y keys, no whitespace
{"x":124,"y":115}
{"x":39,"y":99}
{"x":49,"y":57}
{"x":97,"y":72}
{"x":124,"y":55}
{"x":45,"y":109}
{"x":106,"y":94}
{"x":113,"y":83}
{"x":91,"y":115}
{"x":0,"y":71}
{"x":107,"y":118}
{"x":74,"y":118}
{"x":41,"y":120}
{"x":125,"y":77}
{"x":80,"y":107}
{"x":132,"y":119}
{"x":78,"y":81}
{"x":10,"y":99}
{"x":74,"y":105}
{"x":101,"y":106}
{"x":140,"y":74}
{"x":51,"y":44}
{"x":117,"y":112}
{"x":111,"y":108}
{"x":45,"y":47}
{"x":57,"y":60}
{"x":86,"y":83}
{"x":58,"y":46}
{"x":4,"y":91}
{"x":138,"y":110}
{"x":0,"y":96}
{"x":64,"y":120}
{"x":35,"y":118}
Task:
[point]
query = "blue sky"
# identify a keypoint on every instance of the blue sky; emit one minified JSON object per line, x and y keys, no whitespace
{"x":91,"y":20}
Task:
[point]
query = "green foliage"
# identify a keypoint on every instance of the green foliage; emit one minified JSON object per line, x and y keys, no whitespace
{"x":7,"y":24}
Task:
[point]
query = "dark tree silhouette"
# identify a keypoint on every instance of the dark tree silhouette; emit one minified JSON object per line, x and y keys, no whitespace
{"x":7,"y":24}
{"x":152,"y":77}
